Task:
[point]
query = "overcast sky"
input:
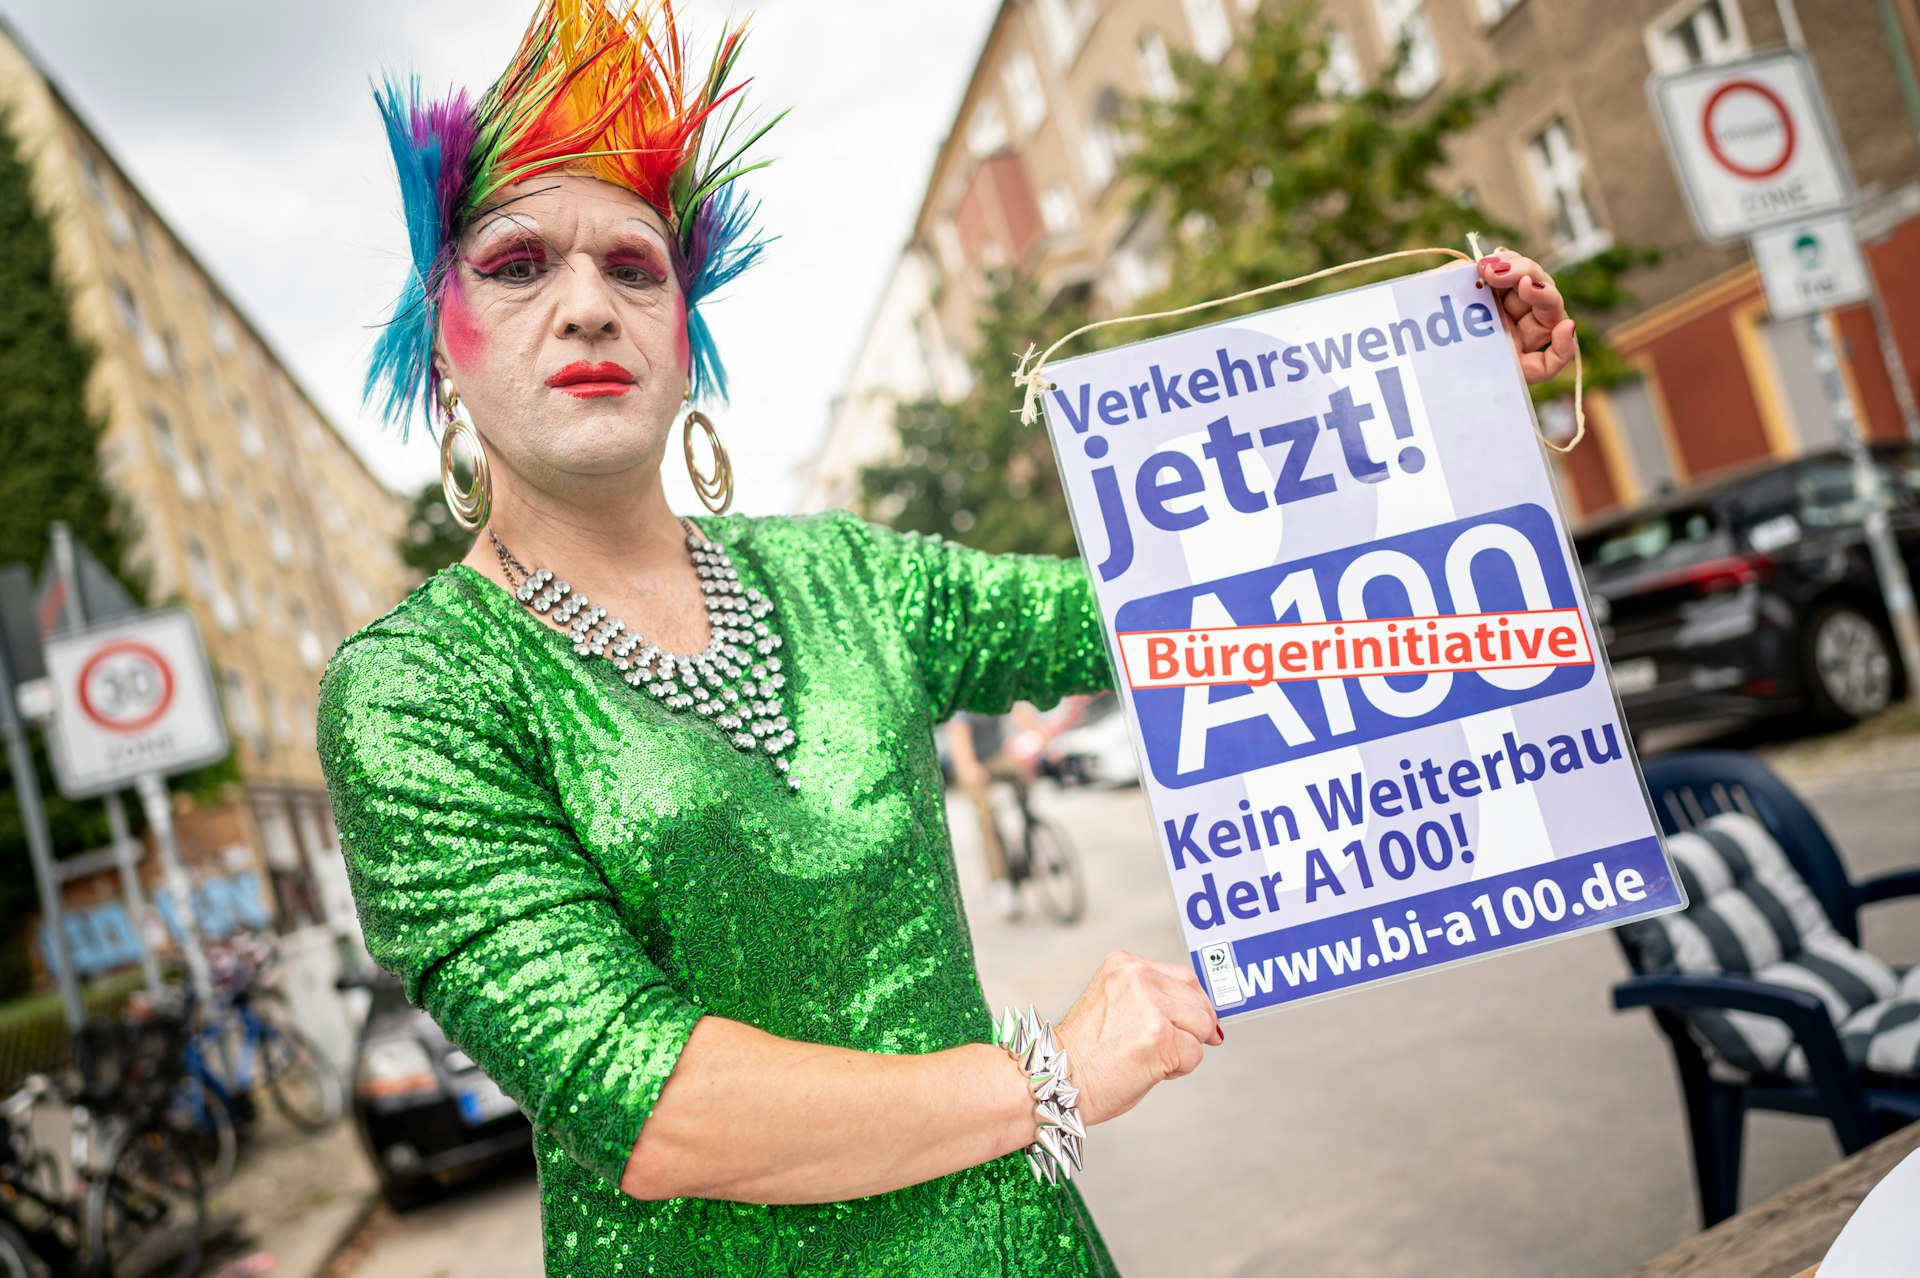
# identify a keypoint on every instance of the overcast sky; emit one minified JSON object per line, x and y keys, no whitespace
{"x":249,"y":126}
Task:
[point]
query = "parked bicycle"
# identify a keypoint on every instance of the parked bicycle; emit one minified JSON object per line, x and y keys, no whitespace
{"x":129,"y":1202}
{"x":242,"y":1043}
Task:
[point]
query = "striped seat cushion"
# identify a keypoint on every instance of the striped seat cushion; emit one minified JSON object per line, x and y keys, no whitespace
{"x":1750,"y":914}
{"x":1883,"y":1039}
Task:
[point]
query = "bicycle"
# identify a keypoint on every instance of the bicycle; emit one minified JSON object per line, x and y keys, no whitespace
{"x":303,"y":1084}
{"x":1042,"y":855}
{"x":138,"y":1210}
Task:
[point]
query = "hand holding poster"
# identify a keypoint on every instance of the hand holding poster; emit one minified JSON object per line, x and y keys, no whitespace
{"x":1353,"y":647}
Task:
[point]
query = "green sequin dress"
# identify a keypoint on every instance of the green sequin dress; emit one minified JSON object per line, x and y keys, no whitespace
{"x":566,"y":875}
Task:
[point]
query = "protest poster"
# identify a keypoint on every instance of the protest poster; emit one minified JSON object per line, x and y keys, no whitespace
{"x":1373,"y":715}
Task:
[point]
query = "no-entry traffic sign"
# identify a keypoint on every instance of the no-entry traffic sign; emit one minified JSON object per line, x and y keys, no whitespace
{"x":1752,"y":144}
{"x":131,"y":698}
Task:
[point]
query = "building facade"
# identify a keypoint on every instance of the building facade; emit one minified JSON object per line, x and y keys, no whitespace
{"x":253,"y":511}
{"x":1571,"y":156}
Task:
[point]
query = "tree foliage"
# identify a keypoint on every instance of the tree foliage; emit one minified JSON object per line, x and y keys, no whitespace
{"x":432,"y":539}
{"x":968,"y":469}
{"x":1264,"y":177}
{"x":1263,"y":173}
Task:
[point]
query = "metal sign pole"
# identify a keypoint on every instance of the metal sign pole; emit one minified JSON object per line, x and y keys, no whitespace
{"x":128,"y":862}
{"x":159,"y":808}
{"x":67,"y":566}
{"x":1895,"y":587}
{"x":33,"y":817}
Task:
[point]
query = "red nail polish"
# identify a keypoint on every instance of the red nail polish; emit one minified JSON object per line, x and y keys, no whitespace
{"x":1501,"y":268}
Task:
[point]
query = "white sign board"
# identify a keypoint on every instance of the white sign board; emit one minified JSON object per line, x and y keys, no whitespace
{"x":131,"y":699}
{"x":1809,"y":267}
{"x":1752,"y":144}
{"x":1375,"y":726}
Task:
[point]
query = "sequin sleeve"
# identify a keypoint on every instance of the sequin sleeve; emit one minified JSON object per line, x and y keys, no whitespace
{"x":472,"y":889}
{"x":989,"y":630}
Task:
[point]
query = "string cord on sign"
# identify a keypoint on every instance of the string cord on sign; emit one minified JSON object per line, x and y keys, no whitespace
{"x":1030,"y":377}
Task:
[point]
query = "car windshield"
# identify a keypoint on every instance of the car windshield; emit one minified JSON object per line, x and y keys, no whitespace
{"x":1671,"y":539}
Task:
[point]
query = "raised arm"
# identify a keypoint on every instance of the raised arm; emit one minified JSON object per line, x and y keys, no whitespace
{"x":990,"y":630}
{"x":473,"y":890}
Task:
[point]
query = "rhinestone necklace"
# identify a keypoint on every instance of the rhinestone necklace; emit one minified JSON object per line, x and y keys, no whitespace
{"x":734,"y":682}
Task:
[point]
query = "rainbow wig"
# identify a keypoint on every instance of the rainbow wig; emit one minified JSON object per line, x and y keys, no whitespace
{"x":597,"y":87}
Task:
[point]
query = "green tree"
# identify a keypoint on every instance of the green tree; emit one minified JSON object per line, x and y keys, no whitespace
{"x":1264,"y":178}
{"x":51,"y":441}
{"x":968,"y":469}
{"x":432,"y":539}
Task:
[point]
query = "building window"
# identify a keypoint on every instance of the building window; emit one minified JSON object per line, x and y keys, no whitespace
{"x":987,"y":132}
{"x":1339,"y":69}
{"x":1212,"y":29}
{"x":1058,"y":210}
{"x":206,"y":584}
{"x":1405,"y":21}
{"x":207,"y":472}
{"x":153,"y":352}
{"x":270,"y":608}
{"x":218,"y":326}
{"x":184,"y":474}
{"x":110,"y":209}
{"x":251,"y":441}
{"x":1066,"y":23}
{"x":1494,"y":10}
{"x":1697,"y":34}
{"x":303,"y":636}
{"x":141,"y":236}
{"x":1022,"y":81}
{"x":277,"y":540}
{"x":277,"y":717}
{"x":1104,"y":142}
{"x":243,"y":597}
{"x":1557,"y":168}
{"x":1156,"y":68}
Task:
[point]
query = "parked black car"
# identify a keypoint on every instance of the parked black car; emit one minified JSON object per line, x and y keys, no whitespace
{"x":423,"y":1108}
{"x":1753,"y":594}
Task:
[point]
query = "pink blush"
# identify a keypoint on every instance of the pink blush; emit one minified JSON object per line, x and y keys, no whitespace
{"x":466,"y":340}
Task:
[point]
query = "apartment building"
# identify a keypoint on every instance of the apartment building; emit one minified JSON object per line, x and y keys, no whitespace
{"x":255,"y":513}
{"x":1571,"y":156}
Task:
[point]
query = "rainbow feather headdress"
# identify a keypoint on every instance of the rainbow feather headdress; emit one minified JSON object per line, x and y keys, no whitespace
{"x":597,"y":87}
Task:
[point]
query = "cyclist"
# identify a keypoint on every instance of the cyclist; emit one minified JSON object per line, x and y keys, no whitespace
{"x":983,"y":752}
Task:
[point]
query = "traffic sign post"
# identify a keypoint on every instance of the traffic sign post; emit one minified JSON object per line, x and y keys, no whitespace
{"x":134,"y":703}
{"x":1752,"y":144}
{"x":1756,"y":154}
{"x":1812,"y":266}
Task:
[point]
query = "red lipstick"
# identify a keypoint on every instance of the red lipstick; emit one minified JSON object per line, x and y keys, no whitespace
{"x":592,"y":381}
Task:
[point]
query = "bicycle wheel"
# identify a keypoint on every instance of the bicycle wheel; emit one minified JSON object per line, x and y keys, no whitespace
{"x":1054,"y":871}
{"x":147,"y":1214}
{"x":16,"y":1255}
{"x":304,"y":1085}
{"x":204,"y":1120}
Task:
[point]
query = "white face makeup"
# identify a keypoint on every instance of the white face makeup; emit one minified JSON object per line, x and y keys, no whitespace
{"x":565,"y":329}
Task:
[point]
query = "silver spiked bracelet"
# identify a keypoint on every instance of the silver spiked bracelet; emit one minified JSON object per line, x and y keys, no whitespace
{"x":1054,"y":1154}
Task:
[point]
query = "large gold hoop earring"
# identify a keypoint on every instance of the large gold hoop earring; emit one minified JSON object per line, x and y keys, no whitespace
{"x":471,"y":507}
{"x":716,"y":490}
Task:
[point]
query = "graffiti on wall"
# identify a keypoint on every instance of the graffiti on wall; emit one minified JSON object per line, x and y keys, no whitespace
{"x":106,"y":936}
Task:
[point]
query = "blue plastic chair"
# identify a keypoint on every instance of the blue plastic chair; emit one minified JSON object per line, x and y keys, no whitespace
{"x":1687,"y":788}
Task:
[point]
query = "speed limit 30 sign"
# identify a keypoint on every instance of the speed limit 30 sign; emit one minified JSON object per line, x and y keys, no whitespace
{"x":1752,"y":144}
{"x":132,"y":698}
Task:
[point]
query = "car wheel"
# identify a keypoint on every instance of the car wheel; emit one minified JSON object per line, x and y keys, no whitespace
{"x":1849,"y":667}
